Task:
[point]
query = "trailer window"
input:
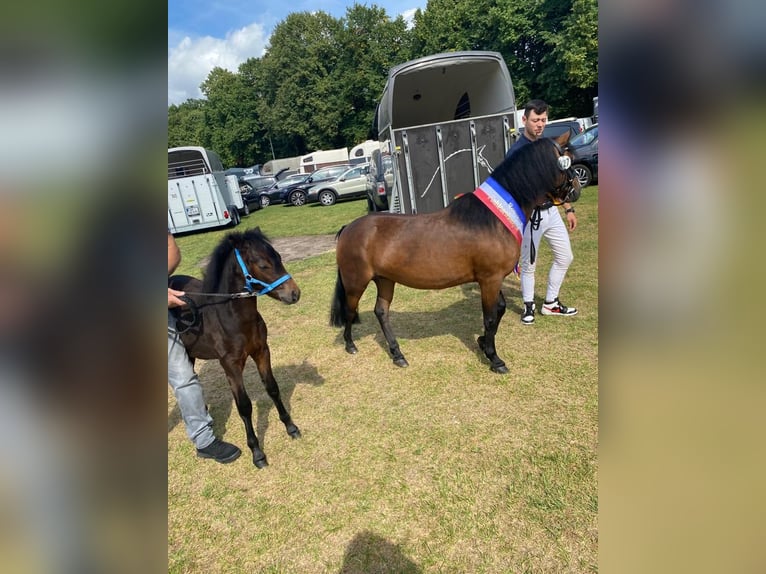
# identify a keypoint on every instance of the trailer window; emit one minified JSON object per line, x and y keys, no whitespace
{"x":463,"y":109}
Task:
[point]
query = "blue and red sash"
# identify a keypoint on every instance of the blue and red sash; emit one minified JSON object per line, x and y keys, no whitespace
{"x":503,"y":206}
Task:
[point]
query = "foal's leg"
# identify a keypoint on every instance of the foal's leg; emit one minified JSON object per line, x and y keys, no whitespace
{"x":262,"y":357}
{"x":233,"y":369}
{"x":382,"y":305}
{"x":493,"y":307}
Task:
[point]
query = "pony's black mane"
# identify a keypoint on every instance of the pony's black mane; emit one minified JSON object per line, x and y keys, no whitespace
{"x":529,"y":172}
{"x":468,"y":210}
{"x":215,"y":270}
{"x":526,"y":175}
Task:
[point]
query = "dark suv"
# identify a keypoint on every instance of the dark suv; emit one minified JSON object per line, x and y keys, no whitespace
{"x":585,"y":155}
{"x":381,"y":178}
{"x":297,"y":195}
{"x":555,"y":128}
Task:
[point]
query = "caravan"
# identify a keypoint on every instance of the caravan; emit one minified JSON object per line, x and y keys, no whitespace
{"x":361,"y":153}
{"x":323,"y":158}
{"x":200,"y":194}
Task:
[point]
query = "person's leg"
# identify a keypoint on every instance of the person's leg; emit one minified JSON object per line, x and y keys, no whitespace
{"x":527,"y":276}
{"x":188,"y":391}
{"x":557,"y":236}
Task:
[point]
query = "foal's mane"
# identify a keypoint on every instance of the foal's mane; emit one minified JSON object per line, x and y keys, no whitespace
{"x":215,"y":270}
{"x":528,"y":173}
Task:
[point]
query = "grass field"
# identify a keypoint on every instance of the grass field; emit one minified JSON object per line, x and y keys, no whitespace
{"x":443,"y":467}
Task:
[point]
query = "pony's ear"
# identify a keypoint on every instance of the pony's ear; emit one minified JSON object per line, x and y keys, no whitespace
{"x":563,"y":139}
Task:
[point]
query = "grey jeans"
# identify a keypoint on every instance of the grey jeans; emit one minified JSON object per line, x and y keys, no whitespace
{"x":187,"y":390}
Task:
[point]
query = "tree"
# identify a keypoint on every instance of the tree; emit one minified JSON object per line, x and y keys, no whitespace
{"x":300,"y":102}
{"x":231,"y":118}
{"x":371,"y":43}
{"x":186,"y":123}
{"x":550,"y":46}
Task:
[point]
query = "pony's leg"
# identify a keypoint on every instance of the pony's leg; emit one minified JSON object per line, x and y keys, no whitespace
{"x":233,"y":369}
{"x":262,"y":358}
{"x":352,"y":308}
{"x":382,"y":305}
{"x":493,"y":307}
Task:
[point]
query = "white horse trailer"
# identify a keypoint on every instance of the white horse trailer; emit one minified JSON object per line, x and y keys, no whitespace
{"x":200,"y":194}
{"x":446,"y":119}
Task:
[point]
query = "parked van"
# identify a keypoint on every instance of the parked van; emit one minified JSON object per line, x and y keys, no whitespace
{"x":446,"y":121}
{"x":200,"y":194}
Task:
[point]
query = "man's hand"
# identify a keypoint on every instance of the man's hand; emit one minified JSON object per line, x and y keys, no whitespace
{"x":571,"y":221}
{"x":173,"y":298}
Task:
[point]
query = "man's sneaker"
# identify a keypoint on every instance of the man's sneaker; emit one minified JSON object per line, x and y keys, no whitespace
{"x":220,"y":451}
{"x":528,"y":315}
{"x":556,"y":308}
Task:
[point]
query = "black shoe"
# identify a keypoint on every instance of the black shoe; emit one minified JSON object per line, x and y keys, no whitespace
{"x":528,"y":315}
{"x":220,"y":451}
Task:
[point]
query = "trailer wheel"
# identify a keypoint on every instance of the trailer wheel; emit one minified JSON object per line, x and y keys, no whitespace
{"x":235,"y":219}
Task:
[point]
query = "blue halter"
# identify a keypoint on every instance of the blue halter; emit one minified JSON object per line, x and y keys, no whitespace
{"x":251,"y":282}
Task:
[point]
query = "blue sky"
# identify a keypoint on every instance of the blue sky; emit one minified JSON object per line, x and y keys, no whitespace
{"x":225,"y":33}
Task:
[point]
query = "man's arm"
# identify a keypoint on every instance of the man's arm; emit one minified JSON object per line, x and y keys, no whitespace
{"x":174,"y":254}
{"x":174,"y":258}
{"x":569,"y":212}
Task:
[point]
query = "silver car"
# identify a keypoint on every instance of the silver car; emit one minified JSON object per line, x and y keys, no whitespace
{"x":352,"y":183}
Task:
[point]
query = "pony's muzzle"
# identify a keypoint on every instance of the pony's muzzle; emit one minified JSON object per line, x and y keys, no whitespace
{"x":289,"y":293}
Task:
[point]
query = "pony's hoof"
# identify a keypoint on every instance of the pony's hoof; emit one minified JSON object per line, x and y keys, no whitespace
{"x":401,"y":362}
{"x":294,"y":432}
{"x":500,"y":369}
{"x":261,"y":462}
{"x":351,"y":349}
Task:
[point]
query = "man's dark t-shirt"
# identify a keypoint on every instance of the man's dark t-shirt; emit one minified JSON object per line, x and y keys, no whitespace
{"x":520,"y":143}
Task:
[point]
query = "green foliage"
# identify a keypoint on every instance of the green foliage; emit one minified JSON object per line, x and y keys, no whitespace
{"x":318,"y":83}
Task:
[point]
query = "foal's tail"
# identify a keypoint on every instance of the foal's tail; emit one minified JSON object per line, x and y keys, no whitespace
{"x":339,"y":308}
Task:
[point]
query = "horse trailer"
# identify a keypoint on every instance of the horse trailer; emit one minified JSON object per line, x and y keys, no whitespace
{"x":447,"y":121}
{"x":200,"y":194}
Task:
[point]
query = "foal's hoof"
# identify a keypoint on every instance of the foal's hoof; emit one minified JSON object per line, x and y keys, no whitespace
{"x":500,"y":368}
{"x":351,"y":349}
{"x":401,"y":362}
{"x":260,"y":462}
{"x":294,"y":432}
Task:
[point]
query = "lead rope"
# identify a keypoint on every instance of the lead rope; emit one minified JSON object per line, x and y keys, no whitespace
{"x":534,"y":221}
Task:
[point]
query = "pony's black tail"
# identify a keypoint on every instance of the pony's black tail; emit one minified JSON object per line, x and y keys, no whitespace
{"x":339,"y":308}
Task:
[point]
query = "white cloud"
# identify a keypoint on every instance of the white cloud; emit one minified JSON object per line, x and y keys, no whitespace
{"x":408,"y":16}
{"x":192,"y":59}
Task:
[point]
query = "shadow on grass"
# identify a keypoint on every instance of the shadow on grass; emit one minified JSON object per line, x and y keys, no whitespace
{"x":369,"y":553}
{"x":221,"y":403}
{"x":462,"y":319}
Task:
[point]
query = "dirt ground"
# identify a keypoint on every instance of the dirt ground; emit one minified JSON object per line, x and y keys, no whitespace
{"x":295,"y":248}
